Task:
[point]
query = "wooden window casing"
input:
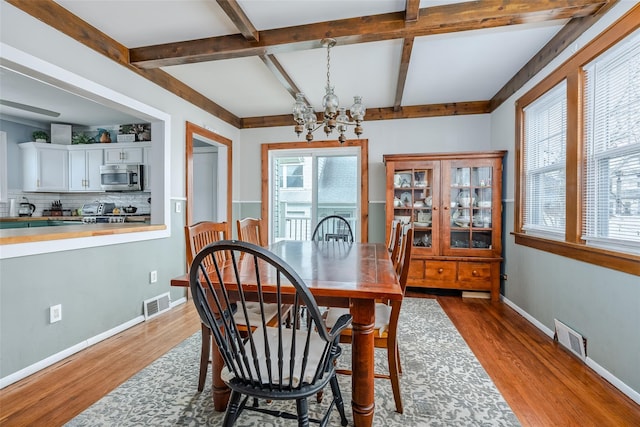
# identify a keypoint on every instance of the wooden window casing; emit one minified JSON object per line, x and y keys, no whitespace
{"x":571,"y":70}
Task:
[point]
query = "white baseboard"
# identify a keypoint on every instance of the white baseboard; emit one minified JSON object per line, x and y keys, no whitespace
{"x":38,"y":366}
{"x":631,"y":393}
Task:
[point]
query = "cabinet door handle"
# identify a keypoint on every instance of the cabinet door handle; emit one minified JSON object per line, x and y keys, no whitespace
{"x":435,"y":208}
{"x":440,"y":270}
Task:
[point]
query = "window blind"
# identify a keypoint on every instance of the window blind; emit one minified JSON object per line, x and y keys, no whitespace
{"x":611,"y":218}
{"x":545,"y":129}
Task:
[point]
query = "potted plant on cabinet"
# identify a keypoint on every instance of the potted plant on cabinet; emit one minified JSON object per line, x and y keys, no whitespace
{"x":40,"y":136}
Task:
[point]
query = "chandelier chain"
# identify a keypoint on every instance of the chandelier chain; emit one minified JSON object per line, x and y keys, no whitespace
{"x":328,"y":66}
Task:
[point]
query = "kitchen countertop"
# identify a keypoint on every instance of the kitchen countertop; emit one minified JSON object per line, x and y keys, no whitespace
{"x":10,"y":236}
{"x":129,"y":218}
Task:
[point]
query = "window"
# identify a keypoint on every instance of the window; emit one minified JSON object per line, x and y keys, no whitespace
{"x":292,"y":175}
{"x":578,"y":154}
{"x":544,"y":162}
{"x":612,"y":149}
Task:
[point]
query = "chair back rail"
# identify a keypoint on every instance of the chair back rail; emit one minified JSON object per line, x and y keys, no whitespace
{"x":333,"y":227}
{"x":250,"y":230}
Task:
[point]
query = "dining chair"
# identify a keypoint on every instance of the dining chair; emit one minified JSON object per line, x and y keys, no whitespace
{"x":393,"y":235}
{"x":333,"y":227}
{"x":271,"y":362}
{"x":386,"y":324}
{"x":250,"y":230}
{"x":197,"y":237}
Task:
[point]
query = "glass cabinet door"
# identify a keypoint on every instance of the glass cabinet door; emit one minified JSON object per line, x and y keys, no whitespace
{"x":415,"y":201}
{"x":468,"y":199}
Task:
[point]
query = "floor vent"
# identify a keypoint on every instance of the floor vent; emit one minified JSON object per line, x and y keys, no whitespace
{"x":156,"y":305}
{"x":571,"y":339}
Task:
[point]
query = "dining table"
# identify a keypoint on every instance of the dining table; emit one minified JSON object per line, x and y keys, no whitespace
{"x":338,"y":274}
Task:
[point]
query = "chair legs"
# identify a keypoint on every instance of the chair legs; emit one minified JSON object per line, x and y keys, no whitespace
{"x":394,"y":367}
{"x":337,"y":397}
{"x":205,"y":352}
{"x":303,"y":412}
{"x":232,"y":409}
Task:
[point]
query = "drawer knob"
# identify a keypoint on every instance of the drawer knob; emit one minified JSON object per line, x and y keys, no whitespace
{"x":474,"y":273}
{"x":440,"y":270}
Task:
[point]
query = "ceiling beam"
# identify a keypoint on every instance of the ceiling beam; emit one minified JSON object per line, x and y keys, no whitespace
{"x":279,"y":72}
{"x":407,"y":47}
{"x":567,"y":35}
{"x":239,"y":19}
{"x":54,"y":15}
{"x":408,"y":112}
{"x":411,"y":10}
{"x":435,"y":20}
{"x":249,"y":32}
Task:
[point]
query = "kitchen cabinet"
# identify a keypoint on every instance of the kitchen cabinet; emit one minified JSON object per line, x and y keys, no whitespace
{"x":454,"y":203}
{"x":124,"y":153}
{"x":84,"y":168}
{"x":44,"y":167}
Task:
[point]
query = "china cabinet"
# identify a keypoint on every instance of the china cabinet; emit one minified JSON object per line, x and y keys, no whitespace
{"x":454,"y":203}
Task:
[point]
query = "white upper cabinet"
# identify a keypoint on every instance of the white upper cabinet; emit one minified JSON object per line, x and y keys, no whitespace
{"x":45,"y":167}
{"x":124,"y":154}
{"x":84,"y":168}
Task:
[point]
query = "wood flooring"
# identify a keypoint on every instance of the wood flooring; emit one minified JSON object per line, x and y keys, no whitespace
{"x":544,"y":384}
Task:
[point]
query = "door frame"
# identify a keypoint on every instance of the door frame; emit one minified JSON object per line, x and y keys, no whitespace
{"x":191,"y":130}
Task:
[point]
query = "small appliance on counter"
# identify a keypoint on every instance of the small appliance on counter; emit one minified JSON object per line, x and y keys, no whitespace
{"x":98,"y":208}
{"x":26,"y":208}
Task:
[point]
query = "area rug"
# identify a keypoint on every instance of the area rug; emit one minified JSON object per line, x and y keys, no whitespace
{"x":443,"y":384}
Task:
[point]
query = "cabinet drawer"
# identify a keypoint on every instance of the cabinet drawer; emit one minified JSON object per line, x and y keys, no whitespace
{"x":440,"y":271}
{"x":416,"y":270}
{"x":474,"y":272}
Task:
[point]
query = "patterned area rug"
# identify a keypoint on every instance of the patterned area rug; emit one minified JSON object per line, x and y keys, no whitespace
{"x":443,"y":385}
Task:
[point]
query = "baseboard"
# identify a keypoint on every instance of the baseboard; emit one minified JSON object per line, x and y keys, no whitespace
{"x":615,"y":381}
{"x":38,"y":366}
{"x":527,"y":316}
{"x":633,"y":395}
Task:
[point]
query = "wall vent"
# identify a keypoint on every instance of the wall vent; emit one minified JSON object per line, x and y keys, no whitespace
{"x":156,"y":305}
{"x":571,"y":339}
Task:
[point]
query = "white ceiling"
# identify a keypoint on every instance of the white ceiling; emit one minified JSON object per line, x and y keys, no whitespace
{"x":453,"y":67}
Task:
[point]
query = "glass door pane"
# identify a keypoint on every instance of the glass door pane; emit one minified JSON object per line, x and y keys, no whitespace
{"x":471,"y":207}
{"x":305,"y":188}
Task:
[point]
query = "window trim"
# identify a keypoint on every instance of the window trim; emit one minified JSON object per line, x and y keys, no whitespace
{"x":573,"y":246}
{"x":363,"y":144}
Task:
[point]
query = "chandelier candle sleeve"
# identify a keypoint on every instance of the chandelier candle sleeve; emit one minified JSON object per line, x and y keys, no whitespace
{"x":333,"y":116}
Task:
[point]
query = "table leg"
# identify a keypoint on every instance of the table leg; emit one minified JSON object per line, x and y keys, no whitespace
{"x":362,"y":401}
{"x":219,"y":389}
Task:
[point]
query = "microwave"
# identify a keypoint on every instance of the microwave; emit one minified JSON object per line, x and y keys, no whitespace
{"x":121,"y":177}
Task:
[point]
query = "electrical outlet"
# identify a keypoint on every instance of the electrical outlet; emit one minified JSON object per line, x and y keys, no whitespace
{"x":55,"y":313}
{"x":178,"y":207}
{"x":153,"y":276}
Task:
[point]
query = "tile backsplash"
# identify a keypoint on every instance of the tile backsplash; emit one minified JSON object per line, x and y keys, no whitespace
{"x":74,"y":201}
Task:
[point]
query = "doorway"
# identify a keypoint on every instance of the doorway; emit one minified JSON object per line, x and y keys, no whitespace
{"x":208,"y":176}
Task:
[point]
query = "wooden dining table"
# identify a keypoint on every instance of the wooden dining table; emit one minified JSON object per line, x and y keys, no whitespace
{"x":338,"y":274}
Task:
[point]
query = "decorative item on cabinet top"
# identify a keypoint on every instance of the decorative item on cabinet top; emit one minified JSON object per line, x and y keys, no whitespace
{"x":140,"y":131}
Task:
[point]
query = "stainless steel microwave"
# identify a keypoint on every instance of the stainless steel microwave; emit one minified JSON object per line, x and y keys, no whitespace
{"x":121,"y":177}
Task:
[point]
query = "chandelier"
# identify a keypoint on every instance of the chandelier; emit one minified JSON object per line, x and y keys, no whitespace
{"x":334,"y":116}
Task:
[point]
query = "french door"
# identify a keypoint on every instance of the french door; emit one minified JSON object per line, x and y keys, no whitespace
{"x":305,"y":186}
